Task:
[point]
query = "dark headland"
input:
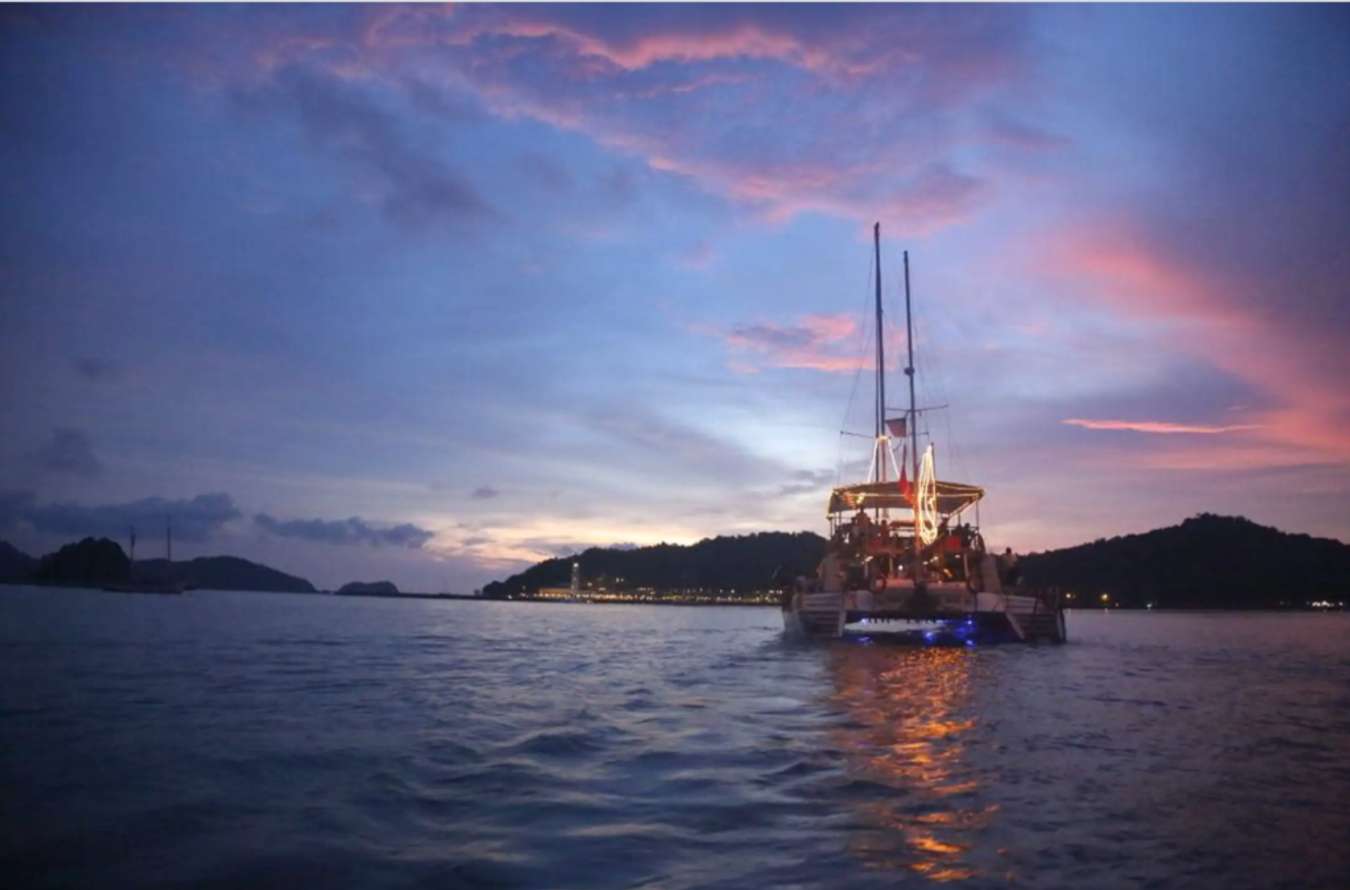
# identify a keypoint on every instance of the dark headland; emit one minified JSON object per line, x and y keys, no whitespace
{"x":1206,"y":562}
{"x":97,"y":562}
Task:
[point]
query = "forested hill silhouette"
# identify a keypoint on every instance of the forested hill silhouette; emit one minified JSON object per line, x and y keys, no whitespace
{"x":741,"y":563}
{"x":222,"y":573}
{"x":1206,"y":562}
{"x":96,"y":562}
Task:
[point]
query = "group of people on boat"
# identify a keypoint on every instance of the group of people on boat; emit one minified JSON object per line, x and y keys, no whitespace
{"x":956,"y":554}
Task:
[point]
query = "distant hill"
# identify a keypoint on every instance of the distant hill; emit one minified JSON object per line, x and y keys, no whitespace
{"x":92,"y":562}
{"x":368,"y":588}
{"x":1219,"y":562}
{"x":15,"y":565}
{"x":222,"y":573}
{"x":95,"y":563}
{"x":746,"y":562}
{"x":1206,"y":562}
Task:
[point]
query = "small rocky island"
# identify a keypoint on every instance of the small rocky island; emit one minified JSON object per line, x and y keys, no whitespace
{"x":368,"y":588}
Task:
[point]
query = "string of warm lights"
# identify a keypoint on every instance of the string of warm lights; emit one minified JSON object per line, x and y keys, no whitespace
{"x":926,"y":500}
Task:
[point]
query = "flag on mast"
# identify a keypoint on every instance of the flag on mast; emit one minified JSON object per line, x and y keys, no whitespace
{"x":896,"y":426}
{"x":906,"y":490}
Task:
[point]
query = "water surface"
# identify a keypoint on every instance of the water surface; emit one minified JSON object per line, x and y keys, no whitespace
{"x":235,"y":739}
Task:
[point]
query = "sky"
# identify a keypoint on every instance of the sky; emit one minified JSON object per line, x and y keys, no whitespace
{"x":430,"y":293}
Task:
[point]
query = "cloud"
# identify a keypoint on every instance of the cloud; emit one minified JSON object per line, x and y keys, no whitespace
{"x":1158,"y":426}
{"x":649,"y":445}
{"x":1202,"y":308}
{"x":807,"y":481}
{"x":353,"y":530}
{"x":484,"y":492}
{"x":883,"y":100}
{"x":68,"y":453}
{"x":816,"y":342}
{"x":195,"y":519}
{"x":414,"y":189}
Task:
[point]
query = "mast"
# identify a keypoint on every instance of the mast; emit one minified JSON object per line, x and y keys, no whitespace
{"x":881,"y":367}
{"x":913,"y":417}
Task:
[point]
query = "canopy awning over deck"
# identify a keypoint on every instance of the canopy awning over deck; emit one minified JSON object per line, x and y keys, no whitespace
{"x":952,"y":497}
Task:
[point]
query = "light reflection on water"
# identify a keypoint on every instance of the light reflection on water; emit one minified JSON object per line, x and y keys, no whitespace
{"x":245,"y":740}
{"x":910,"y":717}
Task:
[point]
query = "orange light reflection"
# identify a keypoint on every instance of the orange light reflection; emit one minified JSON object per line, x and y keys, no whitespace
{"x":909,"y":729}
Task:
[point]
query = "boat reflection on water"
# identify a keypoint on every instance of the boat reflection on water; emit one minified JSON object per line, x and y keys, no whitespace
{"x":906,"y":742}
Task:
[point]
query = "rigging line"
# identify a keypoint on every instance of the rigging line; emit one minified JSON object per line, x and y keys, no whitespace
{"x":931,"y":368}
{"x":857,"y":372}
{"x":938,"y":379}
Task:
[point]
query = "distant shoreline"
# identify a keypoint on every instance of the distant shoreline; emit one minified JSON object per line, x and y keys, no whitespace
{"x":405,"y":596}
{"x":468,"y":597}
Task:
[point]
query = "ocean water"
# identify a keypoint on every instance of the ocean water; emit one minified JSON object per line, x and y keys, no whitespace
{"x":266,"y":740}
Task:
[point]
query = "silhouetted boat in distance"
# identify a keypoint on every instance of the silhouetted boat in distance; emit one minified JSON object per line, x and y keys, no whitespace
{"x":162,"y":585}
{"x":900,"y":549}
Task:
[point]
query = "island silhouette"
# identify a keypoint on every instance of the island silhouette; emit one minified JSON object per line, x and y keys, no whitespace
{"x":1205,"y":562}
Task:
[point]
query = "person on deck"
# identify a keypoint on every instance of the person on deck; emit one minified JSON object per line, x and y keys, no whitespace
{"x":1011,"y":572}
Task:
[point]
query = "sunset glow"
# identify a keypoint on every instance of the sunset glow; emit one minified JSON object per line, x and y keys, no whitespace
{"x":431,"y":293}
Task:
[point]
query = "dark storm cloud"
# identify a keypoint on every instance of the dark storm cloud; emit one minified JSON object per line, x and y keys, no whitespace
{"x":68,"y":453}
{"x":14,"y":505}
{"x":418,"y":189}
{"x":353,"y":530}
{"x":193,"y":520}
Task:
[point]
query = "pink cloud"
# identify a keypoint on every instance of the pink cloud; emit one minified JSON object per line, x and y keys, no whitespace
{"x":1225,"y":320}
{"x":703,"y":93}
{"x":815,"y":342}
{"x":1157,"y":426}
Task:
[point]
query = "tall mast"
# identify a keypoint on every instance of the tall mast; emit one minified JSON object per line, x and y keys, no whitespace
{"x":913,"y":417}
{"x":881,"y":367}
{"x":909,"y":372}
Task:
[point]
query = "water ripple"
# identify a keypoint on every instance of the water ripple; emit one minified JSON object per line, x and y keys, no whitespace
{"x":241,"y":740}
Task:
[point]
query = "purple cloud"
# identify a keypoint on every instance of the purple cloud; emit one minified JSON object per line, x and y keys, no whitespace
{"x":353,"y":530}
{"x":68,"y":453}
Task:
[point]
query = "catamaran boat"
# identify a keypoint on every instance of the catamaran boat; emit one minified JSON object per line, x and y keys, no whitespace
{"x":902,"y":550}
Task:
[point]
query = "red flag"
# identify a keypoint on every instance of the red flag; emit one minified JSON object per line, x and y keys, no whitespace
{"x":905,"y":490}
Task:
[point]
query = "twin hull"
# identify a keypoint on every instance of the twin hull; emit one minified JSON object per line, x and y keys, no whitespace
{"x":992,"y":616}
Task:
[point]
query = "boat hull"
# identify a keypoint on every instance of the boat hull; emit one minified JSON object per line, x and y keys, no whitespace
{"x":992,"y":617}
